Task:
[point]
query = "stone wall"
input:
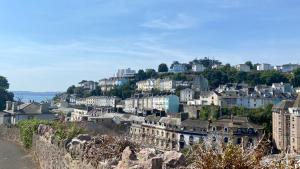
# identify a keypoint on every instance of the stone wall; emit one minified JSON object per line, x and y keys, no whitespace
{"x":54,"y":155}
{"x":10,"y":134}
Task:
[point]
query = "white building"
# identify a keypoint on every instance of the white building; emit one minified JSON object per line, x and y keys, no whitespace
{"x":198,"y":68}
{"x":289,"y":67}
{"x":125,"y":73}
{"x":243,"y":67}
{"x":79,"y":115}
{"x":158,"y":84}
{"x":109,"y":84}
{"x":98,"y":101}
{"x":264,"y":66}
{"x":178,"y":68}
{"x":186,"y":95}
{"x":91,"y":85}
{"x":166,"y":103}
{"x":147,"y":85}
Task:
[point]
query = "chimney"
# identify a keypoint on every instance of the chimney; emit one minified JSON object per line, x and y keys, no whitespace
{"x":14,"y":106}
{"x":8,"y":105}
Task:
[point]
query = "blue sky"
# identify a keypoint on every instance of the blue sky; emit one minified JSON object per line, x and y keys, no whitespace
{"x":49,"y":45}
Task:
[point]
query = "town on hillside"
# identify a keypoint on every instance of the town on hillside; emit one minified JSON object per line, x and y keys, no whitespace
{"x":179,"y":106}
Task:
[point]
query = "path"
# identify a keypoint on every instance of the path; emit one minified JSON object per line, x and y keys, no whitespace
{"x":14,"y":157}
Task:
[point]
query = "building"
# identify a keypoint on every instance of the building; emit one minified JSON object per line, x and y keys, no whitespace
{"x":198,"y":68}
{"x":16,"y":112}
{"x":178,"y":68}
{"x":264,"y":67}
{"x":143,"y":104}
{"x":107,"y":85}
{"x":243,"y":67}
{"x":79,"y":115}
{"x":166,"y":85}
{"x":170,"y":133}
{"x":156,"y":131}
{"x":285,"y":125}
{"x":295,"y":126}
{"x":289,"y":67}
{"x":283,"y":88}
{"x":147,"y":85}
{"x":90,"y":85}
{"x":125,"y":73}
{"x":102,"y":101}
{"x":186,"y":95}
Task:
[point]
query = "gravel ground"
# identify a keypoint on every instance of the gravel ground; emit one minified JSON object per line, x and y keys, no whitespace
{"x":13,"y":156}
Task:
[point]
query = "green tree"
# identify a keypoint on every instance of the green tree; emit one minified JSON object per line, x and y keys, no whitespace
{"x":296,"y":78}
{"x":151,"y":73}
{"x":71,"y":89}
{"x":249,"y":63}
{"x":163,"y":68}
{"x":4,"y":94}
{"x":141,"y":75}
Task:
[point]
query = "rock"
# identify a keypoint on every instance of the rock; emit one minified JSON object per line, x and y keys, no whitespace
{"x":153,"y":163}
{"x":146,"y":154}
{"x":128,"y":159}
{"x":173,"y":159}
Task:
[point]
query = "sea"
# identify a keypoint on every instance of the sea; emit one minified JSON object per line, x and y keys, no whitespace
{"x":27,"y":96}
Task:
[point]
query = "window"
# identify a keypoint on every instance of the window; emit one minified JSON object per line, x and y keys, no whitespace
{"x":214,"y":139}
{"x":226,"y":129}
{"x":226,"y":140}
{"x":191,"y":140}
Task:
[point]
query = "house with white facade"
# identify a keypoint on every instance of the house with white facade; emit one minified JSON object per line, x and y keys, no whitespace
{"x":91,"y":85}
{"x":243,"y":68}
{"x":289,"y":67}
{"x":198,"y":68}
{"x":125,"y":73}
{"x":264,"y":67}
{"x":178,"y":68}
{"x":186,"y":95}
{"x":109,"y":84}
{"x":141,"y":104}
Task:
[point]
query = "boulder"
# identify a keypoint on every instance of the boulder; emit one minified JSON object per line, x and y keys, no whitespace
{"x":153,"y":163}
{"x":173,"y":159}
{"x":146,"y":154}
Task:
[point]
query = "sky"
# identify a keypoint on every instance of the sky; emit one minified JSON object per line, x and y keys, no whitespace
{"x":48,"y":45}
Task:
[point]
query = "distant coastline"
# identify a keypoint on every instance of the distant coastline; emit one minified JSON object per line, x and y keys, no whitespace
{"x":27,"y":96}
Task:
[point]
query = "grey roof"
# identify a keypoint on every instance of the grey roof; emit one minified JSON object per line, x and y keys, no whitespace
{"x":152,"y":118}
{"x":194,"y":123}
{"x":169,"y":120}
{"x":284,"y":104}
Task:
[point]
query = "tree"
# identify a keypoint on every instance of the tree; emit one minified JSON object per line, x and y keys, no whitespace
{"x":4,"y":94}
{"x":141,"y":75}
{"x":163,"y":68}
{"x":71,"y":89}
{"x":151,"y":73}
{"x":296,"y":78}
{"x":249,"y":63}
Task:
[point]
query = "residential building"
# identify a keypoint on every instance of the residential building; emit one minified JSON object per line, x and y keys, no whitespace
{"x":243,"y":67}
{"x":157,"y":84}
{"x":90,"y":85}
{"x":289,"y":67}
{"x":18,"y":112}
{"x":79,"y":115}
{"x":107,"y":85}
{"x":285,"y":125}
{"x":102,"y":101}
{"x":186,"y":95}
{"x":264,"y":67}
{"x":295,"y":126}
{"x":125,"y":73}
{"x":170,"y":133}
{"x":198,"y":68}
{"x":142,"y":104}
{"x":199,"y":84}
{"x":178,"y":68}
{"x":283,"y":88}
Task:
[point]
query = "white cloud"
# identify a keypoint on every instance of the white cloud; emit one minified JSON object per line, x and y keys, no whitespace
{"x":181,"y":21}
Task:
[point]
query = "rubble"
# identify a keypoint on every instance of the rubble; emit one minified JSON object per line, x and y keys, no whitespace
{"x":105,"y":151}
